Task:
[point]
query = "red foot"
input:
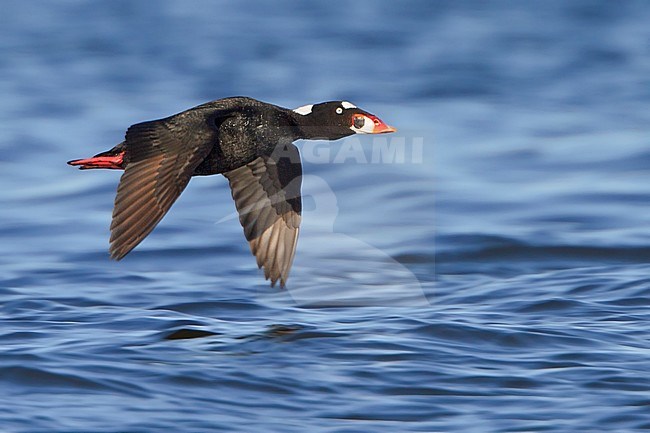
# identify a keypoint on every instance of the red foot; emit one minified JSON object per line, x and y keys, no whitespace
{"x":113,"y":162}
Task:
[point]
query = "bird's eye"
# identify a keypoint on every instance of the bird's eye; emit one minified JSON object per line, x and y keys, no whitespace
{"x":339,"y":110}
{"x":359,"y":121}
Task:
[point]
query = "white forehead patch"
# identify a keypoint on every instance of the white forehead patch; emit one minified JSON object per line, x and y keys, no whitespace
{"x":304,"y":110}
{"x":346,"y":104}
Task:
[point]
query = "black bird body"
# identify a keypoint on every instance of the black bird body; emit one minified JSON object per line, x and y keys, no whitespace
{"x":238,"y":122}
{"x":248,"y":141}
{"x":237,"y":130}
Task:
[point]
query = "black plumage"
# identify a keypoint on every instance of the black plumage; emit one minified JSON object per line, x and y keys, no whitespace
{"x":248,"y":141}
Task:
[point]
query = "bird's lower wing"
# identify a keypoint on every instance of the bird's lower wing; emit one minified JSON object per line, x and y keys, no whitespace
{"x":267,"y":196}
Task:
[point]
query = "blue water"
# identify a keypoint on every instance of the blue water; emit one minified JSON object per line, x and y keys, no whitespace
{"x":498,"y":282}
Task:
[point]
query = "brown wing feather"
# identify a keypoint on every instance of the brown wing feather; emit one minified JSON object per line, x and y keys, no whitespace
{"x":162,"y":158}
{"x":267,"y":196}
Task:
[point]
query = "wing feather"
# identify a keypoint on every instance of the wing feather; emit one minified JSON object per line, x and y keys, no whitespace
{"x":267,"y":197}
{"x":163,"y":155}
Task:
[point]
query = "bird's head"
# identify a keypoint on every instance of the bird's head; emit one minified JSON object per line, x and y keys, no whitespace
{"x":337,"y":119}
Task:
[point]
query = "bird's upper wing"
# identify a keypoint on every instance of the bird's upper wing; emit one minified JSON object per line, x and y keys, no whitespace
{"x":162,"y":157}
{"x":267,"y":197}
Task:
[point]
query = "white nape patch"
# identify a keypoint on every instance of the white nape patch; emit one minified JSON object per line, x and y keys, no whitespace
{"x":304,"y":110}
{"x":346,"y":104}
{"x":367,"y":128}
